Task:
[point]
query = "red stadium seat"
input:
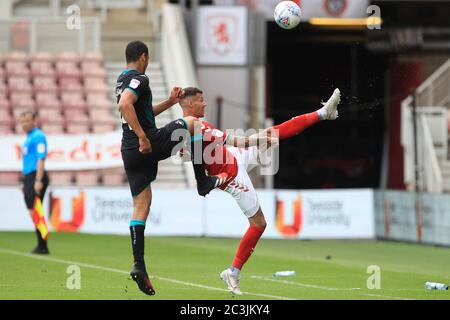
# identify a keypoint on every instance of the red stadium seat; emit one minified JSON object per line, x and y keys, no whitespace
{"x":76,"y":116}
{"x":5,"y":118}
{"x":112,"y":177}
{"x":18,"y":69}
{"x":61,"y":178}
{"x":73,"y":100}
{"x":87,"y":178}
{"x":50,"y":115}
{"x":100,"y":114}
{"x":52,"y":128}
{"x":70,"y":85}
{"x":3,"y":87}
{"x":21,"y":100}
{"x":67,"y":70}
{"x":77,"y":128}
{"x":19,"y":84}
{"x":95,"y":85}
{"x":98,"y":100}
{"x":47,"y":100}
{"x":2,"y":72}
{"x":10,"y":178}
{"x":6,"y":129}
{"x":42,"y":69}
{"x":4,"y":103}
{"x":102,"y":127}
{"x":44,"y":84}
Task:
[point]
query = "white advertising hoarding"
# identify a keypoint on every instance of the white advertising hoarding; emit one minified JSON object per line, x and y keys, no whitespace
{"x":327,"y":214}
{"x":67,"y":152}
{"x":222,"y":35}
{"x":324,"y":214}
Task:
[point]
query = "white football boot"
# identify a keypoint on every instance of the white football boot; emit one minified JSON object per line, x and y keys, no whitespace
{"x":231,"y":281}
{"x":329,"y":109}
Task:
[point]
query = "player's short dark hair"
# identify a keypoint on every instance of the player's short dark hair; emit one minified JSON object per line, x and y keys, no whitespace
{"x":191,"y":92}
{"x":134,"y":50}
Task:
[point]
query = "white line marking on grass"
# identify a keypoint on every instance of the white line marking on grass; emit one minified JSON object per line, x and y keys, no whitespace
{"x":91,"y":266}
{"x":327,"y":288}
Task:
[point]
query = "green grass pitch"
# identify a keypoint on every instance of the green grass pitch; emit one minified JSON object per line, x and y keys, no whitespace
{"x":188,"y":268}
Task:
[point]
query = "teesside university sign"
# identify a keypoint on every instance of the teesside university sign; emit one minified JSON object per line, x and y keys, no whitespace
{"x":291,"y":214}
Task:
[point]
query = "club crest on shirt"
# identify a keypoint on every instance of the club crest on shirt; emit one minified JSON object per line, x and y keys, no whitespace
{"x":41,"y":148}
{"x":134,"y":83}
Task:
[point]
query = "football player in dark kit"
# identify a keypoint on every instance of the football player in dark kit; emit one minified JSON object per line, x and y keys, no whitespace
{"x":143,"y":145}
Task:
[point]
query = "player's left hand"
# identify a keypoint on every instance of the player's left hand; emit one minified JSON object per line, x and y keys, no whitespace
{"x":176,"y":94}
{"x":38,"y":185}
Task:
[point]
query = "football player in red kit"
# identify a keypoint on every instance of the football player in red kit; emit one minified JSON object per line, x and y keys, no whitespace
{"x":231,"y":157}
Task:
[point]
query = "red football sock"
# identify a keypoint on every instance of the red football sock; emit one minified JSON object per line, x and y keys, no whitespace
{"x":246,"y":246}
{"x":296,"y":125}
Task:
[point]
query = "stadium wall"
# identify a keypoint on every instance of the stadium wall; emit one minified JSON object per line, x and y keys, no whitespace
{"x":291,"y":214}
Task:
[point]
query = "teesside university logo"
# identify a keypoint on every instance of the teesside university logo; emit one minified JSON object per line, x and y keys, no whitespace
{"x":77,"y":213}
{"x":284,"y":208}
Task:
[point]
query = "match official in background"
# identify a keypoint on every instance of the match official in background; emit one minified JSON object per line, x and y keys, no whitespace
{"x":35,"y":179}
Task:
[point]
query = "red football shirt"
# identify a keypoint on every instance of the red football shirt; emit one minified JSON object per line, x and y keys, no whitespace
{"x":216,"y":156}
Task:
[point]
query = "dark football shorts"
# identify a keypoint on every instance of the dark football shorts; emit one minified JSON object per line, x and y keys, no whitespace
{"x":141,"y":169}
{"x":28,"y":188}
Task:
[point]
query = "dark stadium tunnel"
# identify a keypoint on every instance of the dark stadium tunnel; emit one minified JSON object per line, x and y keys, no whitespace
{"x":304,"y":65}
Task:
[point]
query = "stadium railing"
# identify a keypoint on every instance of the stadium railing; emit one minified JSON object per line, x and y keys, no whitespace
{"x":176,"y":59}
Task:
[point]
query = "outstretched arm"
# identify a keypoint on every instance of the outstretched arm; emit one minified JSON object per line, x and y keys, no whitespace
{"x":173,"y":99}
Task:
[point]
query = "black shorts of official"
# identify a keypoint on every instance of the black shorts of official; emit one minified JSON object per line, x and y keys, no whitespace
{"x":28,"y":188}
{"x":141,"y":169}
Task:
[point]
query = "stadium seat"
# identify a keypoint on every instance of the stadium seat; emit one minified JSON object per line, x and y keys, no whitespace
{"x":19,"y":84}
{"x":70,"y":85}
{"x":98,"y":100}
{"x":73,"y":100}
{"x":102,"y":127}
{"x":47,"y":100}
{"x":21,"y":101}
{"x":60,"y":178}
{"x":5,"y":118}
{"x":97,"y":85}
{"x":4,"y":102}
{"x":67,"y":70}
{"x":52,"y":128}
{"x":77,"y":128}
{"x":87,"y":178}
{"x":101,"y":115}
{"x":44,"y":84}
{"x":10,"y":178}
{"x":2,"y":72}
{"x":6,"y":129}
{"x":76,"y":116}
{"x":3,"y":87}
{"x":50,"y":115}
{"x":42,"y":69}
{"x":18,"y":69}
{"x":112,"y":177}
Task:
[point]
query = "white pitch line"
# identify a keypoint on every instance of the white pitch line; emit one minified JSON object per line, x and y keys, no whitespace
{"x":92,"y":266}
{"x":327,"y":288}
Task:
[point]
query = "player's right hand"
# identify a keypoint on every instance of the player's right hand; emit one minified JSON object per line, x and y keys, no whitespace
{"x":144,"y":145}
